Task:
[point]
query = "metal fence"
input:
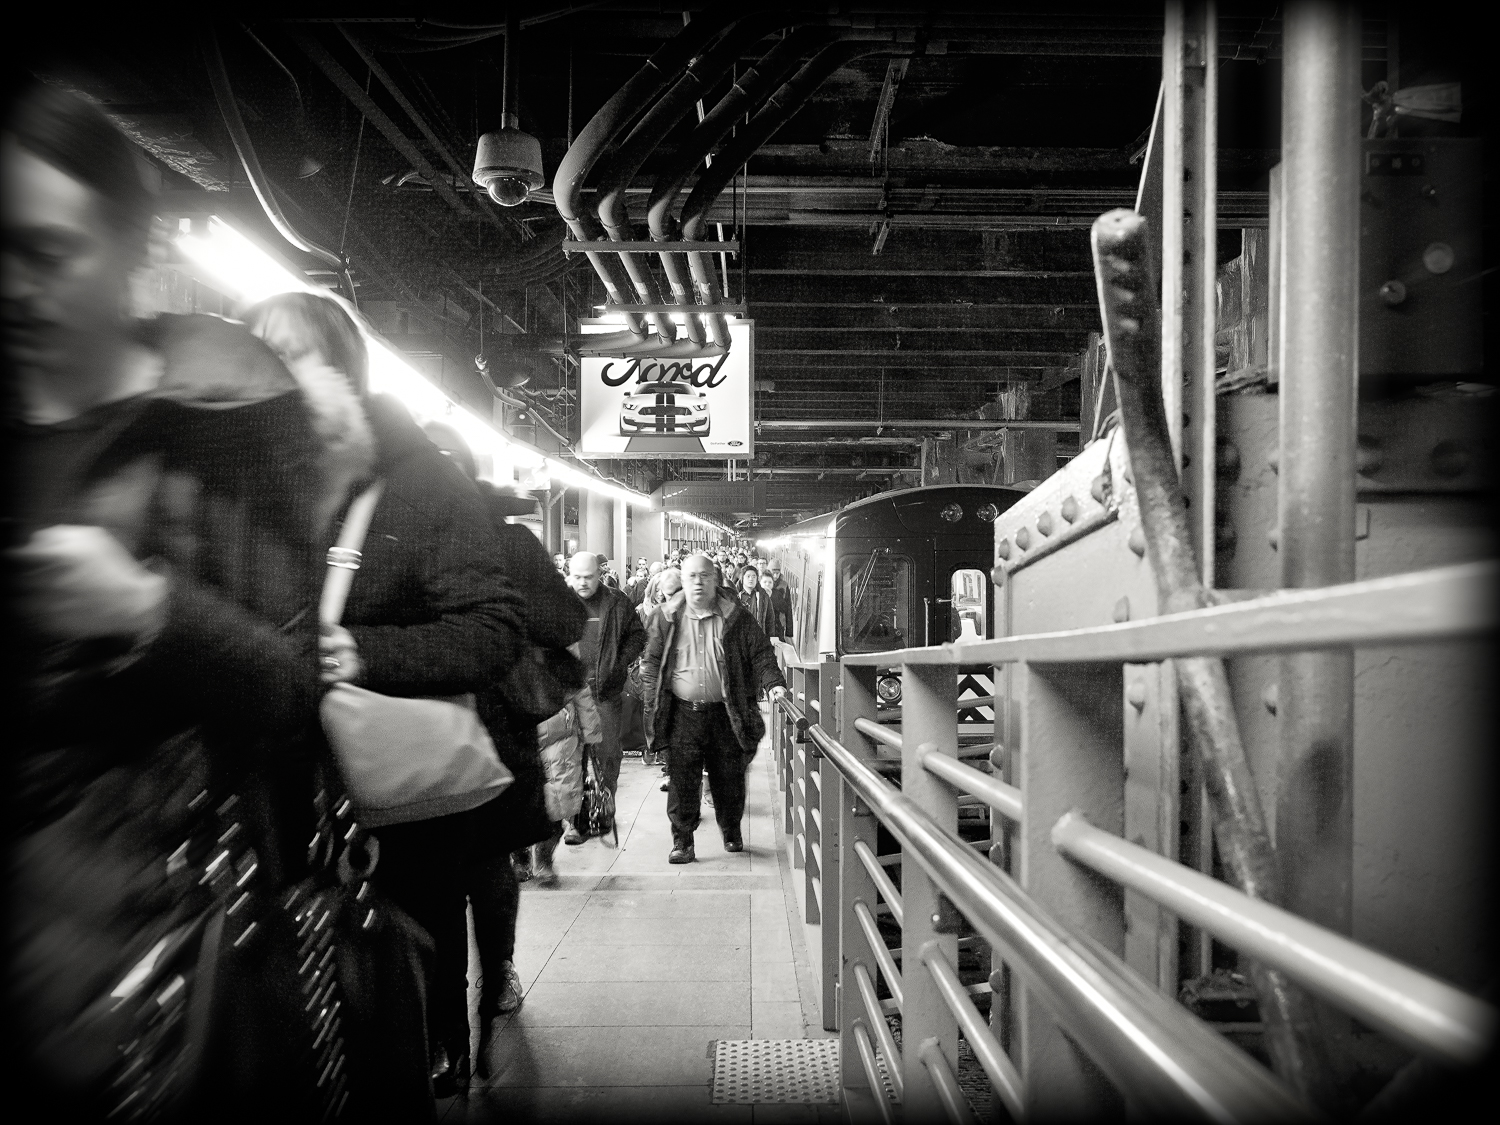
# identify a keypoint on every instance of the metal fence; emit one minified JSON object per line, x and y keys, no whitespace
{"x":873,"y":809}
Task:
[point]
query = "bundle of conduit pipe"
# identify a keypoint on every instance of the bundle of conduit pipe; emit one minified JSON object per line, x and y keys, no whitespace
{"x":649,"y":106}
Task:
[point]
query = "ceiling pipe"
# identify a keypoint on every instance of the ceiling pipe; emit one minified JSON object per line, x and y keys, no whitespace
{"x":218,"y":77}
{"x":648,"y":134}
{"x":776,"y":112}
{"x":611,"y":120}
{"x":745,"y":96}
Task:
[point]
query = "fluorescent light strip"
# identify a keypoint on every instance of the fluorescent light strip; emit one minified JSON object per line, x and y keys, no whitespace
{"x":242,"y":270}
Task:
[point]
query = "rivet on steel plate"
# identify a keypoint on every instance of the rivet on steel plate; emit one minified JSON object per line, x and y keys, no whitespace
{"x":1100,"y":488}
{"x":1438,"y":257}
{"x":997,"y":757}
{"x":997,"y":854}
{"x":1271,"y":697}
{"x":1137,"y":540}
{"x":997,"y":981}
{"x":1392,"y":293}
{"x":1135,"y":692}
{"x":997,"y":574}
{"x":1070,"y":509}
{"x":1023,"y":538}
{"x":1002,"y":548}
{"x":1122,"y":610}
{"x":1227,"y":461}
{"x":947,"y":919}
{"x":1044,"y":523}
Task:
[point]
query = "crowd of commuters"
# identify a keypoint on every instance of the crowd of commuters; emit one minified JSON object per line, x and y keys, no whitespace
{"x":181,"y":480}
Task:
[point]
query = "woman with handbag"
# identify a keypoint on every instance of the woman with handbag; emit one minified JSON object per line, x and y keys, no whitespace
{"x":173,"y":487}
{"x":429,"y":613}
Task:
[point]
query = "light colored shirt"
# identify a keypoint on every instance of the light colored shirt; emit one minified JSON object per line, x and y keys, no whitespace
{"x":698,"y":672}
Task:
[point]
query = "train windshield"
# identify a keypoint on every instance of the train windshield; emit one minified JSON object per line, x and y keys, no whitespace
{"x":875,"y":592}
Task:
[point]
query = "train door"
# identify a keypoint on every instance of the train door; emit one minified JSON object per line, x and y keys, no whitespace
{"x":963,"y":609}
{"x":961,"y":592}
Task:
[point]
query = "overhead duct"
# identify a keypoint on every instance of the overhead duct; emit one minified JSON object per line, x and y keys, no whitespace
{"x":776,"y":112}
{"x":612,"y":119}
{"x":653,"y":128}
{"x":218,"y":77}
{"x":745,"y":96}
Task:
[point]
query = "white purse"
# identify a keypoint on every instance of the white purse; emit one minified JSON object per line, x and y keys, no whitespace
{"x":401,"y":759}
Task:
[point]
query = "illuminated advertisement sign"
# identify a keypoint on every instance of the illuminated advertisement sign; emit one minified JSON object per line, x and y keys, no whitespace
{"x":648,"y":407}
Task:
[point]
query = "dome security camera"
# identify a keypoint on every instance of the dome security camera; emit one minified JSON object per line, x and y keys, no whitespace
{"x":508,"y":165}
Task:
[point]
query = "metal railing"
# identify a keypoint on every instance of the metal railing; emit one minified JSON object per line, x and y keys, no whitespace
{"x":1061,"y":992}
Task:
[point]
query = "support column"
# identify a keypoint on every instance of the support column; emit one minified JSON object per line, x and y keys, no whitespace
{"x":929,"y":723}
{"x":620,"y":545}
{"x":1314,"y":813}
{"x":1190,"y":116}
{"x":595,"y":520}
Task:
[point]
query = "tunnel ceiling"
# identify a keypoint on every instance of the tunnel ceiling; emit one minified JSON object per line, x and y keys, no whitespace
{"x":913,"y":271}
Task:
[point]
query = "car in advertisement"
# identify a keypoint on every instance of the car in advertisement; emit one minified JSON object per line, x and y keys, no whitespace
{"x":664,"y":408}
{"x":667,"y":403}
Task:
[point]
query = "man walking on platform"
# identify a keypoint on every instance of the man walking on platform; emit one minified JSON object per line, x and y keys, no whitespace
{"x":608,"y":650}
{"x":706,"y":663}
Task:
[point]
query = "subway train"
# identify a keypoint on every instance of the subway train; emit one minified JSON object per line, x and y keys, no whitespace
{"x":892,"y":571}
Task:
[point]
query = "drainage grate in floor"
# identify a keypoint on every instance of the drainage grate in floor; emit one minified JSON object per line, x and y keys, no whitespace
{"x":766,"y":1071}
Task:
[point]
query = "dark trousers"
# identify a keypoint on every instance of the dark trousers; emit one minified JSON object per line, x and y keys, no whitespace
{"x":420,"y":869}
{"x":699,"y":740}
{"x":495,"y":898}
{"x":609,"y":753}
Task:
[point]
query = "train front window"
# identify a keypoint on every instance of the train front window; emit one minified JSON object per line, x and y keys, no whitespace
{"x":875,"y":599}
{"x":967,"y":590}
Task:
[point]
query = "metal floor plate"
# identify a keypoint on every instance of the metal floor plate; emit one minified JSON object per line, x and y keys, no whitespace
{"x":768,"y":1071}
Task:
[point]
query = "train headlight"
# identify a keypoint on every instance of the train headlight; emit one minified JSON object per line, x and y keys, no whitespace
{"x":988,"y":513}
{"x":952,"y":513}
{"x":888,"y":688}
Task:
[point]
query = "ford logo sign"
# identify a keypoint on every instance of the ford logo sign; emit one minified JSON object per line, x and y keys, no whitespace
{"x":735,"y":443}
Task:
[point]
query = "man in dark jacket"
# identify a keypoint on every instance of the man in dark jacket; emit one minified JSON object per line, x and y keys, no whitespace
{"x":609,"y":649}
{"x":705,"y":665}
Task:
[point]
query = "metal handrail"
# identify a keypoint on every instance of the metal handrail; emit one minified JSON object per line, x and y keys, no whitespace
{"x":877,"y":733}
{"x":878,"y":876}
{"x":793,"y":712}
{"x":1165,"y":1059}
{"x":949,"y":1092}
{"x":1004,"y":799}
{"x":997,"y":1065}
{"x":1428,"y":1015}
{"x":872,"y":1070}
{"x":1444,"y":603}
{"x":882,"y":1029}
{"x":880,"y":951}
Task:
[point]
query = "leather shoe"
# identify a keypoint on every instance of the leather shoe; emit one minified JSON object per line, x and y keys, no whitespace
{"x":733,"y":844}
{"x":665,"y":786}
{"x":572,"y":837}
{"x":681,"y":853}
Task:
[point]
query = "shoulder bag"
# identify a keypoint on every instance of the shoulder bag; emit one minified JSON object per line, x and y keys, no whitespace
{"x":401,"y":759}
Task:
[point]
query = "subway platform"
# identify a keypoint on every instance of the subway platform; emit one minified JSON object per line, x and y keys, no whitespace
{"x":634,"y":970}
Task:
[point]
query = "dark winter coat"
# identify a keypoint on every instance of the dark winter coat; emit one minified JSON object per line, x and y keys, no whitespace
{"x":553,"y":618}
{"x":758,"y":602}
{"x":431,"y":608}
{"x":211,"y":479}
{"x":781,"y":601}
{"x":622,"y":637}
{"x":749,"y":669}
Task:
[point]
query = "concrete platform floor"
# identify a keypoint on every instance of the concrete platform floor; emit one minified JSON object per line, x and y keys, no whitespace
{"x":633,"y":968}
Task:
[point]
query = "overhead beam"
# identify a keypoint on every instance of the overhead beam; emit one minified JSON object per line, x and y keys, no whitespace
{"x":1068,"y":427}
